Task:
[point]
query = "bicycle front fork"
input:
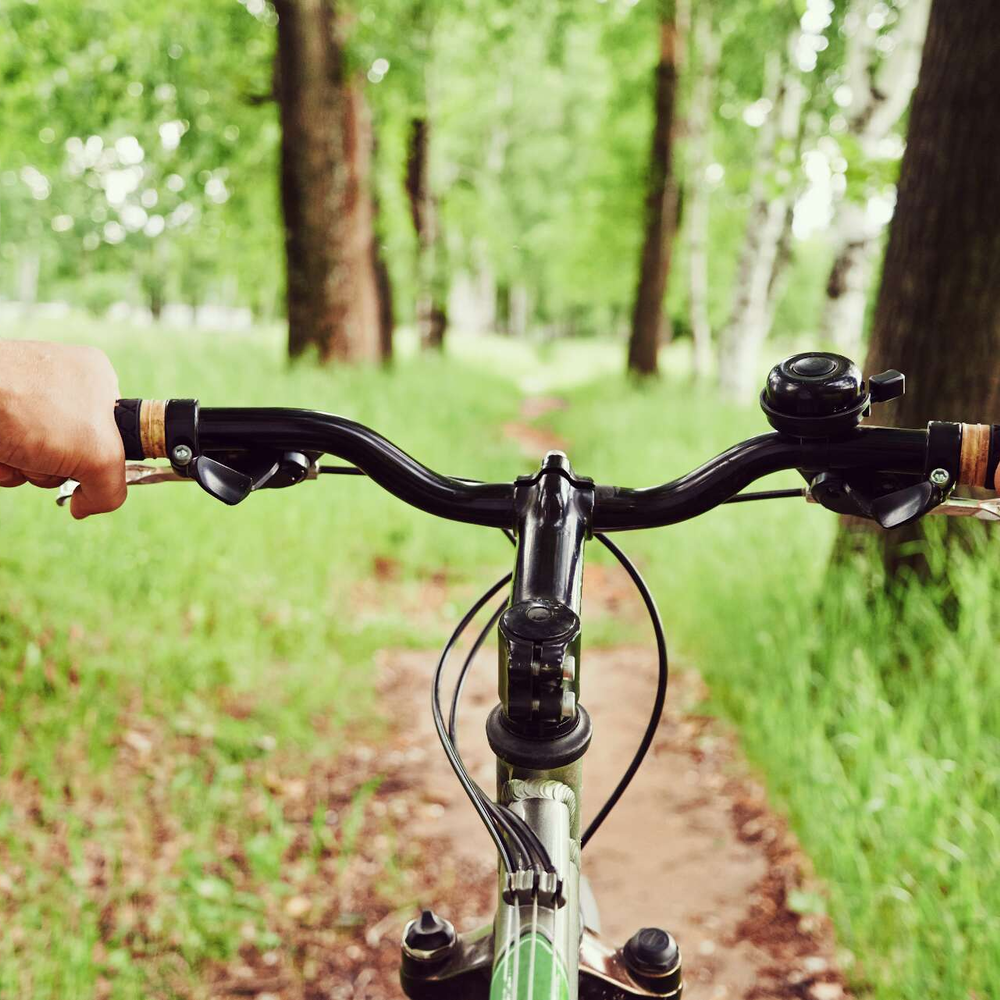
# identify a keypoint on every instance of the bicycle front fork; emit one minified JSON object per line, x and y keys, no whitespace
{"x":439,"y":964}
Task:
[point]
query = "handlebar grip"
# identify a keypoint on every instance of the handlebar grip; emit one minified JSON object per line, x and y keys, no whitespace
{"x":141,"y":423}
{"x":980,"y":455}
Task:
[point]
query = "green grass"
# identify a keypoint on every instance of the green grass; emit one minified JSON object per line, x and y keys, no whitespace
{"x":888,"y":766}
{"x":154,"y":664}
{"x":162,"y":668}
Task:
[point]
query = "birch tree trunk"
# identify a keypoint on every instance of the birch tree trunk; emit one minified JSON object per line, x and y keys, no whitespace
{"x":699,"y":145}
{"x":661,"y":208}
{"x":880,"y":90}
{"x":766,"y":246}
{"x":29,"y":266}
{"x":325,"y":154}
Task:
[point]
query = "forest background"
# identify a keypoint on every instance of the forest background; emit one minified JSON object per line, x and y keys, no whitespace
{"x":447,"y":206}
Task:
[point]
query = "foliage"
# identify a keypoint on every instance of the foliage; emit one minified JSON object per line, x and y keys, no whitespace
{"x":540,"y":121}
{"x":160,"y":668}
{"x":132,"y":143}
{"x":888,"y":769}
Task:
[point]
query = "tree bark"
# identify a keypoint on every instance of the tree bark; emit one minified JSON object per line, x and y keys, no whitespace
{"x":880,"y":92}
{"x":661,"y":208}
{"x":383,"y":287}
{"x":380,"y":267}
{"x":937,"y":317}
{"x":767,"y":244}
{"x":325,"y":151}
{"x":699,"y":144}
{"x":432,"y":315}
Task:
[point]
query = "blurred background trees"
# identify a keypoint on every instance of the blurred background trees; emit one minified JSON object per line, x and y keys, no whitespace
{"x":485,"y":164}
{"x":530,"y":189}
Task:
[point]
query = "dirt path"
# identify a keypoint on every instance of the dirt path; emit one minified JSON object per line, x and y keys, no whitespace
{"x":691,"y":847}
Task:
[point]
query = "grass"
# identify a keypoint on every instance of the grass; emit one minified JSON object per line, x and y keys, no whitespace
{"x":164,"y":668}
{"x":877,"y":726}
{"x":155,"y":666}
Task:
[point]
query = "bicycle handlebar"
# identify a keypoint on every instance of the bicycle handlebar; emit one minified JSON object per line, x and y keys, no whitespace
{"x":153,"y":429}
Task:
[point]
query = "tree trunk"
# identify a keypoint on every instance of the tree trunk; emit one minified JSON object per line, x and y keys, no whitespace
{"x":700,"y":154}
{"x":29,"y":266}
{"x":331,"y":283}
{"x":937,"y":317}
{"x":380,"y":267}
{"x":843,"y":319}
{"x":661,"y":208}
{"x":880,"y":89}
{"x":766,"y":246}
{"x":432,"y":315}
{"x":383,"y":285}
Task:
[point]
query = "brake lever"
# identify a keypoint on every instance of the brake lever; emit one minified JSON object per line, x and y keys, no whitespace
{"x":136,"y":474}
{"x":141,"y":474}
{"x":985,"y":510}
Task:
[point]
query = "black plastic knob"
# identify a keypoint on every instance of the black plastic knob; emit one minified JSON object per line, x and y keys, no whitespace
{"x":813,"y":366}
{"x":429,"y":937}
{"x":889,"y":385}
{"x":654,"y":960}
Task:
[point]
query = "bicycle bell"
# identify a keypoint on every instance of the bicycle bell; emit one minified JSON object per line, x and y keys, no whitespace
{"x":822,"y":395}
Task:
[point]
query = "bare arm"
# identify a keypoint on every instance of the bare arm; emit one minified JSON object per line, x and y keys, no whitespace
{"x":57,"y":422}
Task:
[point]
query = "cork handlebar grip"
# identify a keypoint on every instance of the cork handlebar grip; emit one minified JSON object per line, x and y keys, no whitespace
{"x":980,"y":455}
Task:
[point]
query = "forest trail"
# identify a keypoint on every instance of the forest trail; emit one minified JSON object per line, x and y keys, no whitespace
{"x":691,"y":847}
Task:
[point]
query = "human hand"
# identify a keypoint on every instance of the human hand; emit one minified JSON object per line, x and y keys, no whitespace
{"x":57,"y":422}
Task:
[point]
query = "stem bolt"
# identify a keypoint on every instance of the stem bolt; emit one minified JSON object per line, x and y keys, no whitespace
{"x":654,"y":960}
{"x":181,"y":455}
{"x":940,"y":477}
{"x":429,"y":938}
{"x":568,"y":705}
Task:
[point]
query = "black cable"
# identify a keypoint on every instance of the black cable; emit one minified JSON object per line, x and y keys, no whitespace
{"x":661,"y":689}
{"x":766,"y":495}
{"x":542,"y":858}
{"x":460,"y":683}
{"x":524,"y":838}
{"x":487,"y":813}
{"x":476,"y":646}
{"x":339,"y":470}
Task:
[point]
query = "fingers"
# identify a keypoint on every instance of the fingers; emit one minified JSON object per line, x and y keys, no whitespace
{"x":99,"y":492}
{"x":11,"y":477}
{"x":45,"y":482}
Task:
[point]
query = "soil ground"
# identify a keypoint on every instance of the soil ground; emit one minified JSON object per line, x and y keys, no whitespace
{"x":692,"y":846}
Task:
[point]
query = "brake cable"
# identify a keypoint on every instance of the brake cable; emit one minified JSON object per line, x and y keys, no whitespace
{"x":661,"y":688}
{"x":499,"y":820}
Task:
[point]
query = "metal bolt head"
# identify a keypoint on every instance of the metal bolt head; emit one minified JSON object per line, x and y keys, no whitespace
{"x":568,"y":706}
{"x":940,"y":477}
{"x":181,"y":455}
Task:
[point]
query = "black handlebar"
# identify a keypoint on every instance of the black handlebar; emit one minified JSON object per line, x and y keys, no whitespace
{"x":223,"y":429}
{"x":231,"y":432}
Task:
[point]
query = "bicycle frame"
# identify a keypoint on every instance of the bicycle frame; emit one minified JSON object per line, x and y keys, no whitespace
{"x":552,"y":526}
{"x":540,"y":733}
{"x":538,"y":945}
